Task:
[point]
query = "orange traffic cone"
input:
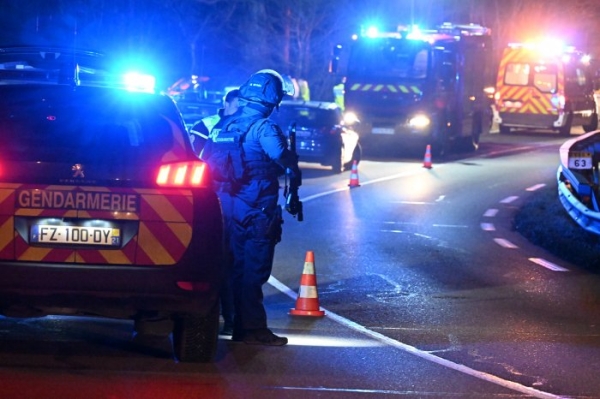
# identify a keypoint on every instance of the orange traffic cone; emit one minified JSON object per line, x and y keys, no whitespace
{"x":427,"y":159}
{"x":307,"y":303}
{"x":354,"y":176}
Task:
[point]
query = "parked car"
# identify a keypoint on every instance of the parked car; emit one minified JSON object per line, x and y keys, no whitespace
{"x":105,"y":208}
{"x":322,"y":135}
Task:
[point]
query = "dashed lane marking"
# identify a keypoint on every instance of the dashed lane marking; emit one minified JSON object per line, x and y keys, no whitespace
{"x":548,"y":265}
{"x":535,"y":187}
{"x":503,"y":242}
{"x":488,"y":227}
{"x":510,"y":199}
{"x":507,"y":244}
{"x":490,"y":213}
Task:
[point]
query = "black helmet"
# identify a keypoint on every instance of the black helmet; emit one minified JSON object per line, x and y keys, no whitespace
{"x":266,"y":87}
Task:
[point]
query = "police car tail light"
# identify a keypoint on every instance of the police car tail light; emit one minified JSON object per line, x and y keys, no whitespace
{"x":183,"y":174}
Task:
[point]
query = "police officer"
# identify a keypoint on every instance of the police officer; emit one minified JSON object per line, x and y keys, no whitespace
{"x":201,"y":130}
{"x":200,"y":133}
{"x":339,"y":92}
{"x":247,"y":152}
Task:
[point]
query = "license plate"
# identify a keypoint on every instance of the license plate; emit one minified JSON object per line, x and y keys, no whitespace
{"x":383,"y":130}
{"x":78,"y":235}
{"x":580,"y":160}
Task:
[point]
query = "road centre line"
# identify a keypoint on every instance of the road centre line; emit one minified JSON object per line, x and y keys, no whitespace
{"x":505,"y":243}
{"x":490,"y":213}
{"x":510,"y":199}
{"x":548,"y":265}
{"x":419,"y":353}
{"x":535,"y":187}
{"x":402,"y":346}
{"x":488,"y":227}
{"x":378,"y":180}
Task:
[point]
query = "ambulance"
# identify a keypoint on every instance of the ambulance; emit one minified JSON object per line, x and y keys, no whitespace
{"x":544,"y":87}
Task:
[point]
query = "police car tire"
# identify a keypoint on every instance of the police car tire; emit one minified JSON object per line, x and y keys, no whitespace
{"x":195,"y":337}
{"x":337,"y":161}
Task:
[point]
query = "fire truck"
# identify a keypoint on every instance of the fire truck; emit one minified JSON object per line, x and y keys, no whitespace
{"x":544,"y":86}
{"x":413,"y":86}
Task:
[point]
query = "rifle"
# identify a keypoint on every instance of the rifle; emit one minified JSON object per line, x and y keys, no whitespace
{"x":293,"y":205}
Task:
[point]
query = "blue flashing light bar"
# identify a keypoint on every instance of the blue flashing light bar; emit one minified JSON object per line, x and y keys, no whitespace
{"x":135,"y":81}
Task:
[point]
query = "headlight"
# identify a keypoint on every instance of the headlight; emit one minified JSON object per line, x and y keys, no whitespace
{"x":419,"y":121}
{"x":350,"y":118}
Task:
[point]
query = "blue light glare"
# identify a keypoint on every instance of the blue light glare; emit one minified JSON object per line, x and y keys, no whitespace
{"x":135,"y":81}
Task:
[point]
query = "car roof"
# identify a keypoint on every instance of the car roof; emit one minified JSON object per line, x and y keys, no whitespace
{"x":326,"y":105}
{"x":58,"y":65}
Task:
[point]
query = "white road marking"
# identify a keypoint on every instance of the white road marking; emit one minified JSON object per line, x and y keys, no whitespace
{"x":488,"y":227}
{"x":536,"y":187}
{"x":407,"y":348}
{"x":381,"y":179}
{"x":505,"y":243}
{"x":510,"y":199}
{"x":490,"y":213}
{"x":413,"y":202}
{"x":419,"y":353}
{"x":548,"y":265}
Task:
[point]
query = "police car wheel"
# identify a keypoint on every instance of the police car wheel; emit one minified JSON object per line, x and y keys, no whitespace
{"x":337,"y":161}
{"x":195,"y":337}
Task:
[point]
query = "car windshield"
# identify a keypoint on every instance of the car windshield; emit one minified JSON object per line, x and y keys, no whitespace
{"x":60,"y":124}
{"x":194,"y":111}
{"x":389,"y":57}
{"x":308,"y":117}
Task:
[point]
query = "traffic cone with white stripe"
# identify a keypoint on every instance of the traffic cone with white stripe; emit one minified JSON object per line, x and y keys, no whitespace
{"x":354,"y":176}
{"x":307,"y":303}
{"x":427,"y":159}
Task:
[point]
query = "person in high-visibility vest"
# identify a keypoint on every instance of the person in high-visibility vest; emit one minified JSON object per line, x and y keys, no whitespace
{"x":304,"y":90}
{"x":338,"y":93}
{"x":200,"y":131}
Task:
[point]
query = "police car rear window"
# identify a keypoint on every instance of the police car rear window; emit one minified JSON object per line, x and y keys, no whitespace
{"x":57,"y":123}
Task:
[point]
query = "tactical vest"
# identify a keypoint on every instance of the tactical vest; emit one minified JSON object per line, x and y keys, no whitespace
{"x":229,"y":163}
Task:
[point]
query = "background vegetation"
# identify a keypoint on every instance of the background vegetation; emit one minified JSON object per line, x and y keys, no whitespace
{"x":227,"y":40}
